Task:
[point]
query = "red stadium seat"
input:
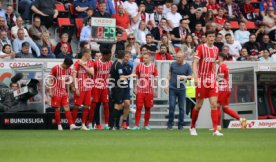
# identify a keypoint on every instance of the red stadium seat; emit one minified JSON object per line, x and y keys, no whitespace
{"x":65,"y":26}
{"x":124,"y":36}
{"x":250,"y":25}
{"x":79,"y":25}
{"x":234,"y":24}
{"x":61,"y":10}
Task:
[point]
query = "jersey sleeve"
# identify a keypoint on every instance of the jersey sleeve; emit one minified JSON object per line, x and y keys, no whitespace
{"x":169,"y":57}
{"x":155,"y":72}
{"x":137,"y":72}
{"x":198,"y":53}
{"x":54,"y":71}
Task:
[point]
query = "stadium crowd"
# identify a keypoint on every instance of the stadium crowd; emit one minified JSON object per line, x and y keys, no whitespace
{"x":245,"y":29}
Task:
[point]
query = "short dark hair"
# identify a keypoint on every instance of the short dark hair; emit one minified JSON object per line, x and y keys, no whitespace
{"x":149,"y":35}
{"x":105,"y":51}
{"x":163,"y":45}
{"x":228,"y":34}
{"x":144,"y":46}
{"x":68,"y":61}
{"x":118,"y":32}
{"x":224,"y":56}
{"x":127,"y":53}
{"x":209,"y":32}
{"x":169,"y":1}
{"x":120,"y":54}
{"x":43,"y":47}
{"x":218,"y":34}
{"x":5,"y":46}
{"x":25,"y":44}
{"x":83,"y":43}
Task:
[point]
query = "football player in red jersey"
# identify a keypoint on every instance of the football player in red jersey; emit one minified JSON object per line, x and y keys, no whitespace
{"x":82,"y":77}
{"x":59,"y":83}
{"x":224,"y":92}
{"x":146,"y":73}
{"x":204,"y":68}
{"x":100,"y":93}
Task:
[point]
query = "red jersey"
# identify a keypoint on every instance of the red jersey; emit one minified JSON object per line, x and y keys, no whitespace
{"x":122,"y":21}
{"x":159,"y":56}
{"x":102,"y":71}
{"x":223,"y":74}
{"x":220,"y":20}
{"x":213,"y":6}
{"x":85,"y":82}
{"x":146,"y":75}
{"x":207,"y":62}
{"x":61,"y":78}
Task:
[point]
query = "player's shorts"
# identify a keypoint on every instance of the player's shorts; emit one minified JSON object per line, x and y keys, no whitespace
{"x":120,"y":94}
{"x":58,"y":101}
{"x":127,"y":94}
{"x":224,"y":97}
{"x":100,"y":95}
{"x":83,"y":99}
{"x":144,"y":99}
{"x":203,"y":92}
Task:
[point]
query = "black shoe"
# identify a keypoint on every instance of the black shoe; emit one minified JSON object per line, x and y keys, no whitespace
{"x":180,"y":128}
{"x":169,"y":128}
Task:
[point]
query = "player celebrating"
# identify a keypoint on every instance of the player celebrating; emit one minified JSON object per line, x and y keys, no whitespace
{"x":100,"y":91}
{"x":82,"y":73}
{"x":146,"y":73}
{"x":204,"y":68}
{"x":224,"y":92}
{"x":60,"y":90}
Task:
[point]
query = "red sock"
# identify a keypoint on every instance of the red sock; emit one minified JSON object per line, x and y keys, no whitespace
{"x":69,"y":117}
{"x":214,"y":116}
{"x":75,"y":114}
{"x":84,"y":115}
{"x":106,"y":112}
{"x":219,"y":115}
{"x":231,"y":113}
{"x":91,"y":113}
{"x":57,"y":117}
{"x":147,"y":116}
{"x":194,"y":117}
{"x":138,"y":115}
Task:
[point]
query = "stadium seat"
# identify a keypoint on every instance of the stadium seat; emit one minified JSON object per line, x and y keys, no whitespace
{"x":61,"y":10}
{"x":79,"y":25}
{"x":72,"y":10}
{"x":263,"y":107}
{"x":234,"y":24}
{"x":64,"y":26}
{"x":250,"y":25}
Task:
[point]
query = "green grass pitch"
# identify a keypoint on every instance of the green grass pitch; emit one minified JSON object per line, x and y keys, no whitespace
{"x":137,"y":146}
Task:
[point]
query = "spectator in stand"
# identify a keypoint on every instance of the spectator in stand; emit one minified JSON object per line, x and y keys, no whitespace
{"x":252,"y":46}
{"x":4,"y":39}
{"x":3,"y":24}
{"x":81,"y":7}
{"x":198,"y":5}
{"x":45,"y":41}
{"x":233,"y":11}
{"x":167,"y":6}
{"x":260,"y":33}
{"x":266,"y":43}
{"x":220,"y":19}
{"x":184,"y":8}
{"x":6,"y":52}
{"x":64,"y":40}
{"x":264,"y":6}
{"x":11,"y":16}
{"x":150,"y":6}
{"x":165,"y":41}
{"x":83,"y":45}
{"x":134,"y":46}
{"x":2,"y":10}
{"x":202,"y":40}
{"x":159,"y":15}
{"x":117,"y":3}
{"x":25,"y":51}
{"x":160,"y":30}
{"x":248,"y":11}
{"x":102,"y":10}
{"x":242,"y":35}
{"x":173,"y":17}
{"x":234,"y":46}
{"x":244,"y":55}
{"x":64,"y":52}
{"x":195,"y":18}
{"x":163,"y":54}
{"x":141,"y":32}
{"x":225,"y":50}
{"x":25,"y":6}
{"x":269,"y":20}
{"x":37,"y":29}
{"x":143,"y":16}
{"x":109,"y":7}
{"x":179,"y":34}
{"x":45,"y":53}
{"x":265,"y":57}
{"x":150,"y":43}
{"x":19,"y":25}
{"x":122,"y":19}
{"x":218,"y":42}
{"x":47,"y":11}
{"x":188,"y":47}
{"x":17,"y":43}
{"x":226,"y":30}
{"x":198,"y":31}
{"x":90,"y":13}
{"x":209,"y":16}
{"x":213,"y":6}
{"x":119,"y":45}
{"x":131,"y":8}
